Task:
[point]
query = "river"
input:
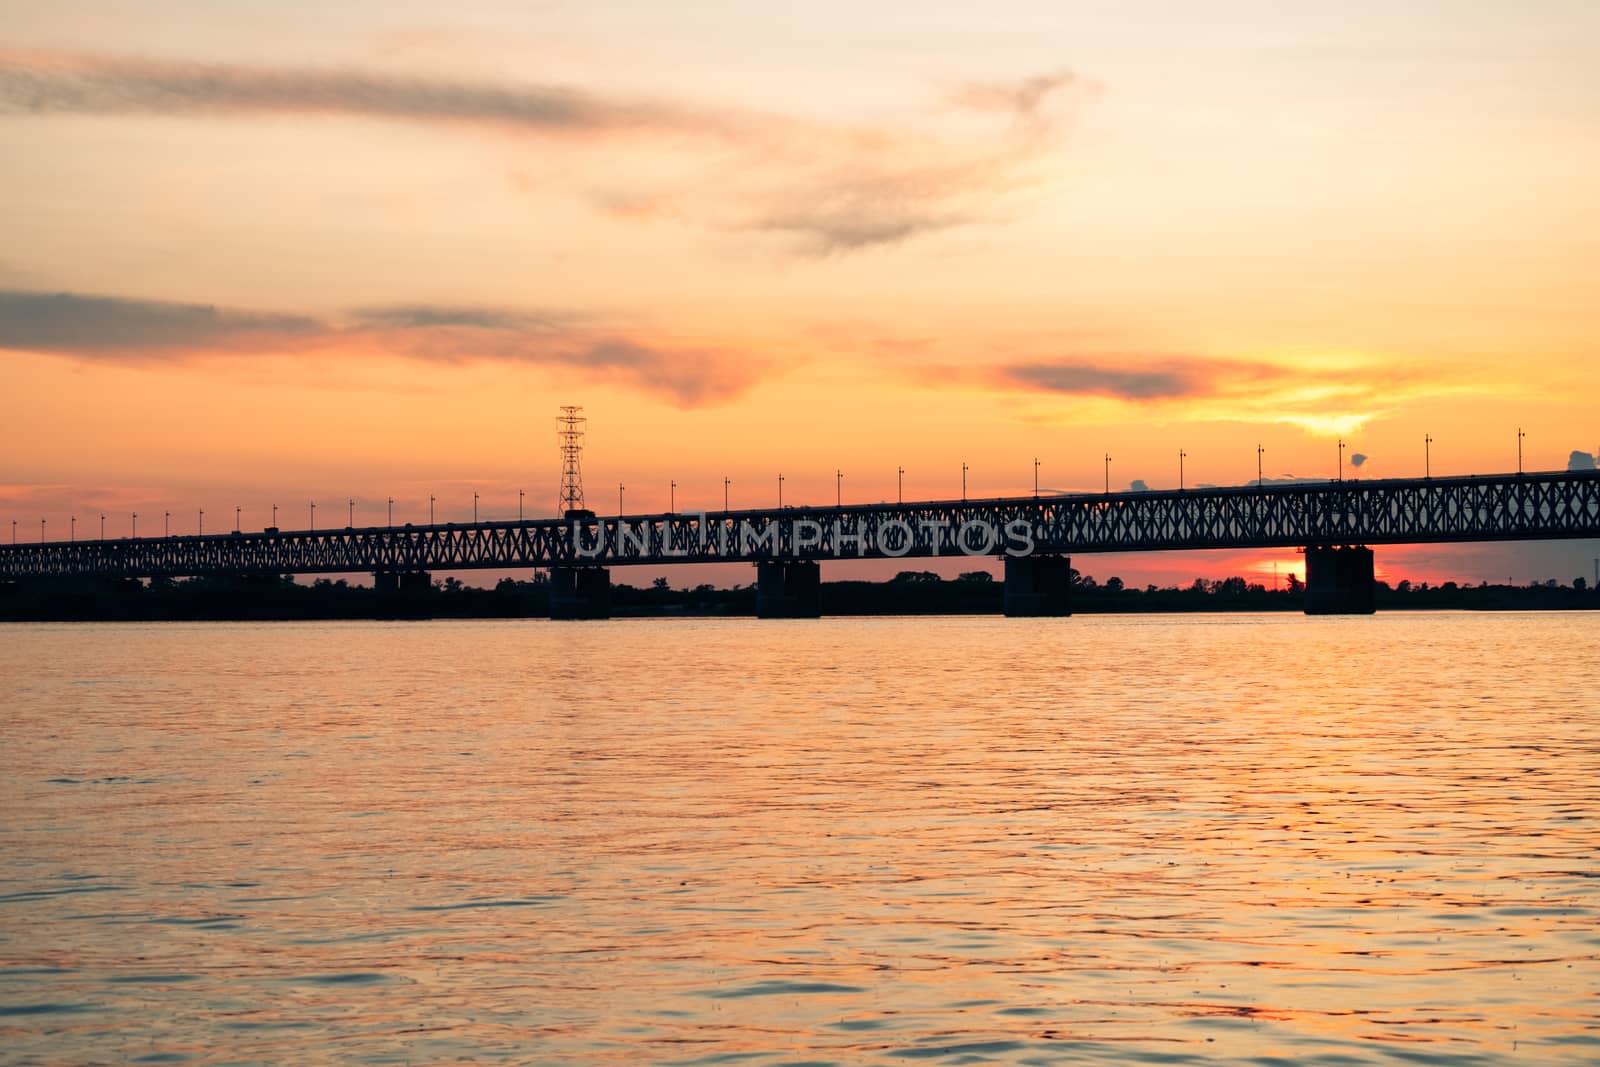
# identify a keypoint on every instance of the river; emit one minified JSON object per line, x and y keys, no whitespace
{"x":1262,"y":839}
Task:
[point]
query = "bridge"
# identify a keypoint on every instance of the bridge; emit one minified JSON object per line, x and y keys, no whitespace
{"x":1334,"y":522}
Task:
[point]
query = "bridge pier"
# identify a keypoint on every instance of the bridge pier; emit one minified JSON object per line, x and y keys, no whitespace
{"x":580,"y":593}
{"x":1339,"y":581}
{"x":1038,"y":586}
{"x":789,"y":590}
{"x":402,"y":581}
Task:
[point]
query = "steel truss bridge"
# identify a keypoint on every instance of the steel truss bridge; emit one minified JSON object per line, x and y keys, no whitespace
{"x":1507,"y":507}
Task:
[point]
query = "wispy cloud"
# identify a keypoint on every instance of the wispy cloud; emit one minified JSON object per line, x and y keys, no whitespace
{"x":1023,"y":99}
{"x":109,"y":328}
{"x":830,"y":188}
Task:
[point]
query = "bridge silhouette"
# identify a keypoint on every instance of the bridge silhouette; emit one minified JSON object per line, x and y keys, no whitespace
{"x":1334,"y":522}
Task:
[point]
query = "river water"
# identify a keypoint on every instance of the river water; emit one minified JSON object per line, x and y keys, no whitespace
{"x":1152,"y":840}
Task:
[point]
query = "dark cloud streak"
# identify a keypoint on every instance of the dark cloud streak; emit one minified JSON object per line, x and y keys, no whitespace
{"x":109,"y":329}
{"x":52,"y":83}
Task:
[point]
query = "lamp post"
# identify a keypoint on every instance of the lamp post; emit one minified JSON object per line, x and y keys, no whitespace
{"x":201,"y":527}
{"x":72,"y":529}
{"x":313,"y":515}
{"x":780,"y":492}
{"x":1181,"y":454}
{"x":900,"y":485}
{"x":963,"y":483}
{"x":619,"y":498}
{"x":41,"y":530}
{"x":1341,"y":459}
{"x":430,"y":509}
{"x":102,"y":528}
{"x":391,"y":511}
{"x":1427,"y":455}
{"x":474,"y":507}
{"x":237,"y":510}
{"x":1108,"y":473}
{"x":13,"y":531}
{"x":1036,"y":477}
{"x":133,"y":528}
{"x":672,"y":498}
{"x":1259,"y":453}
{"x":519,"y":505}
{"x":1520,"y":436}
{"x":274,"y":516}
{"x":166,"y":524}
{"x":725,"y":483}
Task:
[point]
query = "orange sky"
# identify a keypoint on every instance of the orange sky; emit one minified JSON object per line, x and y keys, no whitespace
{"x":273,"y":253}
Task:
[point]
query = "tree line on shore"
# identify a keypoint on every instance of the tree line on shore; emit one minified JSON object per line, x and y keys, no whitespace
{"x":907,"y":593}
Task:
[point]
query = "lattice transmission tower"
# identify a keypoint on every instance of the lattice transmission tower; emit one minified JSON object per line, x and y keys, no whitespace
{"x":570,"y":435}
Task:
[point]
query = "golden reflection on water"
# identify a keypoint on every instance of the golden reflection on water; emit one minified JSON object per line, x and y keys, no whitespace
{"x":1188,"y":839}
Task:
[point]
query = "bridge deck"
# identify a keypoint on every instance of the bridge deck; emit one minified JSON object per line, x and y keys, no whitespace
{"x":1507,"y":507}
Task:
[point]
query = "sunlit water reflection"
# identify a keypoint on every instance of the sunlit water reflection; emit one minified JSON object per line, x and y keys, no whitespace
{"x":1264,"y":839}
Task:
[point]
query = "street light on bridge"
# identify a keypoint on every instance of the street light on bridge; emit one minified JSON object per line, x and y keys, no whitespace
{"x":237,"y":510}
{"x":430,"y":509}
{"x":1259,"y":453}
{"x":1036,"y":477}
{"x":619,"y":499}
{"x":72,"y":529}
{"x":202,"y":527}
{"x":900,"y":485}
{"x":166,"y":524}
{"x":519,"y":508}
{"x":352,"y":519}
{"x":672,"y":498}
{"x":41,"y":530}
{"x":102,"y":528}
{"x":1427,"y":455}
{"x":838,"y":488}
{"x":780,"y":492}
{"x":474,"y":507}
{"x":1181,"y":454}
{"x":726,"y":481}
{"x":313,"y":515}
{"x":391,"y":511}
{"x":1520,"y":436}
{"x":1108,"y":473}
{"x":963,"y":482}
{"x":1341,"y":459}
{"x":134,"y":528}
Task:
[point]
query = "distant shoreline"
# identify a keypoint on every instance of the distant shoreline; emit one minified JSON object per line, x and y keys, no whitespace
{"x":911,"y":593}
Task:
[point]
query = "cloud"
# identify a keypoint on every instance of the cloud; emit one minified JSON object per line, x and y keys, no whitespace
{"x":67,"y":83}
{"x":91,"y":325}
{"x":1357,"y":459}
{"x":833,"y":188}
{"x":110,"y":328}
{"x":1165,"y":378}
{"x":1582,"y":461}
{"x":1138,"y":485}
{"x":1022,"y":99}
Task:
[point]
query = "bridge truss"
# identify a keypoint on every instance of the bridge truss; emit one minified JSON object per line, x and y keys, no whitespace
{"x":1509,"y":507}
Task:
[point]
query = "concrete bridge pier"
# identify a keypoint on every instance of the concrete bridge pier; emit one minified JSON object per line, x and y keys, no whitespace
{"x":789,"y":590}
{"x":580,"y":593}
{"x":402,"y":581}
{"x":1038,"y":586}
{"x":1339,"y":581}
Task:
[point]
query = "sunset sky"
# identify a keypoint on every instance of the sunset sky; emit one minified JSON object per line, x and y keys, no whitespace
{"x":263,"y":253}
